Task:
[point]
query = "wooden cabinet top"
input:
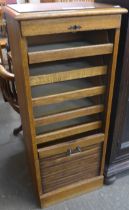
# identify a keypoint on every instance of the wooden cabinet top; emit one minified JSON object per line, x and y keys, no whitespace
{"x":51,"y":10}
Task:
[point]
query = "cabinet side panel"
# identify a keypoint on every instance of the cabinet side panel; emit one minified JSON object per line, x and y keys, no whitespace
{"x":112,"y":70}
{"x":20,"y":67}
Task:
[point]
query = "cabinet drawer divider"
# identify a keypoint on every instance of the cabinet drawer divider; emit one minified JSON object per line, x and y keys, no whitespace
{"x":73,"y":52}
{"x":70,"y":95}
{"x":70,"y":75}
{"x":68,"y":132}
{"x":68,"y":115}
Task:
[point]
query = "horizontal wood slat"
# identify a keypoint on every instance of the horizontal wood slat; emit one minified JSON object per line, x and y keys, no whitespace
{"x":70,"y":95}
{"x":68,"y":115}
{"x":69,"y":75}
{"x":67,"y":53}
{"x":68,"y":132}
{"x":62,"y":147}
{"x":65,"y":181}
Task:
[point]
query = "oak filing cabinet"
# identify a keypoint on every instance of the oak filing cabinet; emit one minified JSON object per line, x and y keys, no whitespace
{"x":64,"y":58}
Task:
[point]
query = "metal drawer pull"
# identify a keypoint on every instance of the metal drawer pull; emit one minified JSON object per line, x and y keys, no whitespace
{"x":74,"y":27}
{"x":69,"y":152}
{"x":78,"y":149}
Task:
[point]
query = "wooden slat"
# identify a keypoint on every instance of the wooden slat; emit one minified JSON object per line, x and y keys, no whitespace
{"x":70,"y":191}
{"x":74,"y":178}
{"x":68,"y":132}
{"x":67,"y":53}
{"x":69,"y":75}
{"x":68,"y":115}
{"x":62,"y":147}
{"x":71,"y":95}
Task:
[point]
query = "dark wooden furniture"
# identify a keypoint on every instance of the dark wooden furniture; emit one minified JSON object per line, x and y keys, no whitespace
{"x":64,"y":57}
{"x":117,"y":159}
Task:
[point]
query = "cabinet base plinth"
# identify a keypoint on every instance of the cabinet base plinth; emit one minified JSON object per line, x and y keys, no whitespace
{"x":70,"y":191}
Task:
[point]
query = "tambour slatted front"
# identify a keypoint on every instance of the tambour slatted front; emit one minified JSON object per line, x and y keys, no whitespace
{"x":64,"y":57}
{"x":61,"y":170}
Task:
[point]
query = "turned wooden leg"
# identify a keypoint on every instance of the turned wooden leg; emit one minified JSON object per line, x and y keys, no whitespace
{"x":9,"y":63}
{"x":16,"y":131}
{"x":1,"y":56}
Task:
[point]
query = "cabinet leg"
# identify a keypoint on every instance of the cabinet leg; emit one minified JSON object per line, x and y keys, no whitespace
{"x":109,"y":179}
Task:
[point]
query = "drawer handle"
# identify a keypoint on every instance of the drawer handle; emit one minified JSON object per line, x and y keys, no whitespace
{"x":74,"y":27}
{"x":78,"y":149}
{"x":69,"y":152}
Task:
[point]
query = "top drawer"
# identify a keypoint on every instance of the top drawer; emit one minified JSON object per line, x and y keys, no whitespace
{"x":65,"y":25}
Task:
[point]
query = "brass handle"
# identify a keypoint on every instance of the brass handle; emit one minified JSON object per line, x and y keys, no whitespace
{"x":78,"y":149}
{"x":69,"y":152}
{"x":74,"y":27}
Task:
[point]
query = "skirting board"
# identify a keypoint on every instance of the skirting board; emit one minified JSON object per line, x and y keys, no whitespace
{"x":70,"y":191}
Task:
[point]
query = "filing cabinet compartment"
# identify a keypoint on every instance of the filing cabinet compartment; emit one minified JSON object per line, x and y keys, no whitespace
{"x":77,"y":162}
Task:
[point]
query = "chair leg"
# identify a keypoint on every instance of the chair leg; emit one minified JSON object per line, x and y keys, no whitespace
{"x":1,"y":56}
{"x":16,"y":131}
{"x":9,"y":63}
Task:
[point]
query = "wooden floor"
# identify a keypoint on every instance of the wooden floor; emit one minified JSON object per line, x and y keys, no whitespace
{"x":16,"y":191}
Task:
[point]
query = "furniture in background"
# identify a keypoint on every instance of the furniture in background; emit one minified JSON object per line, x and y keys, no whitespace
{"x":3,"y":45}
{"x":3,"y":39}
{"x":2,"y":19}
{"x":11,"y":2}
{"x":43,"y":1}
{"x":7,"y":82}
{"x":117,"y":159}
{"x":2,"y":2}
{"x":64,"y":66}
{"x":8,"y":88}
